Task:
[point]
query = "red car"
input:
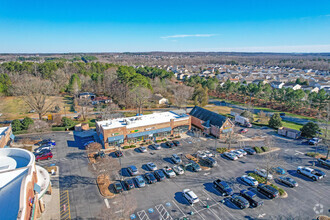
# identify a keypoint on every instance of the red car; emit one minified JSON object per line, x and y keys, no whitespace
{"x":45,"y":156}
{"x":244,"y":130}
{"x":119,"y":153}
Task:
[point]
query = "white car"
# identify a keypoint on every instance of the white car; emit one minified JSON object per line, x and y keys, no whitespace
{"x":309,"y":172}
{"x":45,"y":147}
{"x":249,"y":180}
{"x":143,"y":149}
{"x":237,"y":153}
{"x":201,"y":154}
{"x":263,"y":173}
{"x":230,"y":156}
{"x":208,"y":153}
{"x":151,"y":166}
{"x":314,"y":141}
{"x":243,"y":152}
{"x":190,"y":196}
{"x":178,"y":170}
{"x":169,"y":172}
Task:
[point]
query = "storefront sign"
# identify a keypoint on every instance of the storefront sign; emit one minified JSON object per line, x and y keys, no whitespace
{"x":147,"y":129}
{"x":134,"y":131}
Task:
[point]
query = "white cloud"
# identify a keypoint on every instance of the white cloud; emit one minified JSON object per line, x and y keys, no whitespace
{"x":188,"y":35}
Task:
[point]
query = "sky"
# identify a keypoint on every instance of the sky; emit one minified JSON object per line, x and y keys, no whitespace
{"x":67,"y":26}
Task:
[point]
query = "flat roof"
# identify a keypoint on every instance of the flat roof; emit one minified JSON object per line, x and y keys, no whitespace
{"x":143,"y":120}
{"x":2,"y":131}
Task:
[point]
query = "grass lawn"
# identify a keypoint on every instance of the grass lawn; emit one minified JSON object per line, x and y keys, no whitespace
{"x":291,"y":125}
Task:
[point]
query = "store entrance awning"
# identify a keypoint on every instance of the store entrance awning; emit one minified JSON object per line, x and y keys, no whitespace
{"x":145,"y":133}
{"x":115,"y":138}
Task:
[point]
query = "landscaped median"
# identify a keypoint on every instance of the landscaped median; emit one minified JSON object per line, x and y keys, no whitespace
{"x":315,"y":155}
{"x":265,"y":149}
{"x":282,"y":192}
{"x":200,"y":162}
{"x":103,"y":183}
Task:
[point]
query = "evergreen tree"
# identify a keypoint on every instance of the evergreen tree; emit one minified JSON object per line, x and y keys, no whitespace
{"x":275,"y":121}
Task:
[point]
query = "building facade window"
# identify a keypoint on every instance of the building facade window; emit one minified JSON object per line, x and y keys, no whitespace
{"x":181,"y":129}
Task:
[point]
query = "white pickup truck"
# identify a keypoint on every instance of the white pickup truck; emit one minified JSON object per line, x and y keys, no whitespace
{"x":309,"y":172}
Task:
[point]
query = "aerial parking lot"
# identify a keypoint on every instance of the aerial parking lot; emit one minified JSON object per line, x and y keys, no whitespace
{"x":164,"y":199}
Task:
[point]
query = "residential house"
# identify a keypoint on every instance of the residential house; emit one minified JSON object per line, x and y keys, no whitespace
{"x":293,"y":86}
{"x":101,"y":99}
{"x":159,"y":99}
{"x":277,"y":84}
{"x":257,"y":81}
{"x":310,"y":88}
{"x":86,"y":95}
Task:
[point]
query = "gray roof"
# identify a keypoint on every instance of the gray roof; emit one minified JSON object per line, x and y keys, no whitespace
{"x":206,"y":115}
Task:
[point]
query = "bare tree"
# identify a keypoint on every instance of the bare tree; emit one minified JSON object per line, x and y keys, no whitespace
{"x":230,"y":138}
{"x":36,"y":93}
{"x":182,"y":94}
{"x":39,"y":126}
{"x":84,"y":107}
{"x":109,"y":111}
{"x":141,"y":97}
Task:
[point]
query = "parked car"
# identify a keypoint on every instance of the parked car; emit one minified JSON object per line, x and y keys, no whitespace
{"x":324,"y":162}
{"x":278,"y":170}
{"x":178,"y":170}
{"x":176,"y":143}
{"x":45,"y":156}
{"x":242,"y":151}
{"x":43,"y":151}
{"x":117,"y":187}
{"x":208,"y":153}
{"x":314,"y":141}
{"x":249,"y":180}
{"x":44,"y":147}
{"x":140,"y":181}
{"x":268,"y":191}
{"x":201,"y":154}
{"x":288,"y":181}
{"x":251,"y":197}
{"x":212,"y":162}
{"x":118,"y":153}
{"x":309,"y":172}
{"x":263,"y":173}
{"x":243,"y":130}
{"x":195,"y":166}
{"x":250,"y":151}
{"x":239,"y":201}
{"x":169,"y":172}
{"x":223,"y":187}
{"x":230,"y":156}
{"x":47,"y":141}
{"x":150,"y":178}
{"x":320,"y":172}
{"x":151,"y":166}
{"x":156,"y":146}
{"x":176,"y":159}
{"x":190,"y":196}
{"x":159,"y":174}
{"x":132,"y":170}
{"x":169,"y":144}
{"x":143,"y":149}
{"x":129,"y":184}
{"x":237,"y":153}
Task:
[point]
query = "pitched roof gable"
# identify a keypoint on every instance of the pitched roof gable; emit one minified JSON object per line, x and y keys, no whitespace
{"x":206,"y":115}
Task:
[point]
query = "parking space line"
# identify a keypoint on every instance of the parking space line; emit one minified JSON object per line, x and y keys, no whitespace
{"x":143,"y":214}
{"x":197,"y":211}
{"x":218,"y":204}
{"x":65,"y":205}
{"x":161,"y":209}
{"x":210,"y":210}
{"x":184,"y":215}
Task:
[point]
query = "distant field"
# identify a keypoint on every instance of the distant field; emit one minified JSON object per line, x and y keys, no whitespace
{"x":15,"y":107}
{"x":223,"y":110}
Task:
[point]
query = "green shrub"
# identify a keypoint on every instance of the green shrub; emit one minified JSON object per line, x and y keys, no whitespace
{"x":222,"y":150}
{"x":178,"y":136}
{"x":280,"y":190}
{"x":20,"y":132}
{"x":312,"y":154}
{"x":26,"y":123}
{"x":68,"y":122}
{"x":16,"y":125}
{"x":257,"y":149}
{"x":129,"y":146}
{"x":257,"y":177}
{"x":265,"y":149}
{"x":164,"y":139}
{"x":58,"y":128}
{"x":158,"y":141}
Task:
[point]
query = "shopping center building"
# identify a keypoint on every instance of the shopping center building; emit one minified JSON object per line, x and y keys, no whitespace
{"x":22,"y":185}
{"x":137,"y":129}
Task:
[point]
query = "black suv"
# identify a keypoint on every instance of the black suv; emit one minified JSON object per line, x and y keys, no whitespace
{"x":150,"y":178}
{"x":118,"y":187}
{"x":239,"y":201}
{"x":176,"y":143}
{"x":223,"y":187}
{"x":169,"y":144}
{"x":251,"y":197}
{"x":268,"y":191}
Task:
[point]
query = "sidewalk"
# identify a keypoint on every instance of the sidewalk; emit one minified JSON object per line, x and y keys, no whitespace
{"x":52,"y":202}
